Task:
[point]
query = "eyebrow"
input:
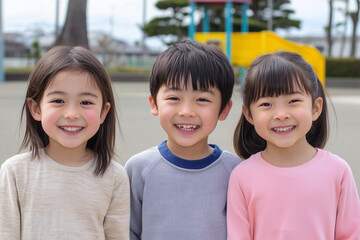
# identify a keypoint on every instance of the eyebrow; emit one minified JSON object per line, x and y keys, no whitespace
{"x":81,"y":94}
{"x":181,"y":89}
{"x":296,"y":92}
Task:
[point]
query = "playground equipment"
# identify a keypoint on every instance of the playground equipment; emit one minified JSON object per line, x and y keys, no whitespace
{"x":242,"y":48}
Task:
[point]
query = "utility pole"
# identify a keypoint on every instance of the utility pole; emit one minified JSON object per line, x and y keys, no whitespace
{"x":144,"y":22}
{"x":143,"y":47}
{"x":57,"y":19}
{"x":2,"y":78}
{"x":270,"y":21}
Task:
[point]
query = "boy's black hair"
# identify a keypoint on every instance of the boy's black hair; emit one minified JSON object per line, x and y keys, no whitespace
{"x":204,"y":65}
{"x":274,"y":75}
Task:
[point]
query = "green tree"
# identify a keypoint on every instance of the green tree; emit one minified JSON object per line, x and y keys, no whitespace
{"x":329,"y":28}
{"x":259,"y":19}
{"x":343,"y":24}
{"x":169,"y":29}
{"x":355,"y":19}
{"x":35,"y":51}
{"x":281,"y":14}
{"x":74,"y":31}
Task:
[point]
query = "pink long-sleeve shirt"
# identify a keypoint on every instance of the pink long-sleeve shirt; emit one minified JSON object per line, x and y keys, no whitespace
{"x":317,"y":200}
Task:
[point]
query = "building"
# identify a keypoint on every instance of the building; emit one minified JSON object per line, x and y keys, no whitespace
{"x":113,"y":53}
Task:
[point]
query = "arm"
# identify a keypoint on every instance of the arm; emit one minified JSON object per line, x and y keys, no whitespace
{"x":348,"y":212}
{"x":116,"y":223}
{"x":9,"y":206}
{"x":136,"y":196}
{"x":238,"y":226}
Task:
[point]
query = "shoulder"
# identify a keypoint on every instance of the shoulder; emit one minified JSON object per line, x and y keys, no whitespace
{"x":143,"y":159}
{"x":17,"y":162}
{"x":248,"y":165}
{"x":229,"y":160}
{"x":333,"y":161}
{"x":116,"y":171}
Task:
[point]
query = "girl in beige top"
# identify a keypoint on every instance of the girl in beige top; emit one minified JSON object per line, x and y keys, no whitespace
{"x":67,"y":186}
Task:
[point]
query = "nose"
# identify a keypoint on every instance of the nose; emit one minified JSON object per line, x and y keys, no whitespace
{"x":281,"y":113}
{"x":71,"y":112}
{"x":186,"y":110}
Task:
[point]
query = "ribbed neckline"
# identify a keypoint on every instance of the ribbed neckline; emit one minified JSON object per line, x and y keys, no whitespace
{"x":66,"y":168}
{"x":189,"y":164}
{"x":318,"y":155}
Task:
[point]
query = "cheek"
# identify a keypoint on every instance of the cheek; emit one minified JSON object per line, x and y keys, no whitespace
{"x":49,"y":121}
{"x":92,"y":117}
{"x":49,"y":117}
{"x":210,"y":117}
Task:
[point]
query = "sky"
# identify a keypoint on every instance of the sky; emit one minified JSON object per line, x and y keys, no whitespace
{"x":121,"y":18}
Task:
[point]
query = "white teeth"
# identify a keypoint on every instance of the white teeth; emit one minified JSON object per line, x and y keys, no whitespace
{"x":71,"y":129}
{"x":283,"y":129}
{"x":187,"y":127}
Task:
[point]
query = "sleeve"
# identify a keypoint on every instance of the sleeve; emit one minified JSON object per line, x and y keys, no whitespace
{"x":348,"y":212}
{"x":136,"y":196}
{"x":116,"y":223}
{"x":9,"y":205}
{"x":238,"y":226}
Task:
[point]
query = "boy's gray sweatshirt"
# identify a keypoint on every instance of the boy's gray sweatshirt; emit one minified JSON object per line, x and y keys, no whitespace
{"x":177,"y":199}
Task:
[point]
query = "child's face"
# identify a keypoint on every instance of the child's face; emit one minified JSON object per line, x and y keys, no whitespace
{"x":71,"y":109}
{"x":285,"y":120}
{"x":188,"y":117}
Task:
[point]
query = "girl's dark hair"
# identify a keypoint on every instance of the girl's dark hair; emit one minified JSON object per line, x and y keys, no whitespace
{"x":274,"y":75}
{"x":204,"y":65}
{"x":57,"y":59}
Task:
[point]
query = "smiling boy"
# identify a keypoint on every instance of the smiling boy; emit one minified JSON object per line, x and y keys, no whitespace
{"x":179,"y":188}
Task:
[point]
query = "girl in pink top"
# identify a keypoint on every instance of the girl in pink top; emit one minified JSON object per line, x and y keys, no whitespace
{"x":289,"y":188}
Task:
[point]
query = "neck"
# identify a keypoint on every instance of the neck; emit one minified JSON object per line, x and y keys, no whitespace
{"x":192,"y":152}
{"x":67,"y":156}
{"x":289,"y":157}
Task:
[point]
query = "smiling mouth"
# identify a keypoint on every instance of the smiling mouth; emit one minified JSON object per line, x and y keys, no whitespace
{"x":187,"y":128}
{"x":283,"y":129}
{"x":72,"y":129}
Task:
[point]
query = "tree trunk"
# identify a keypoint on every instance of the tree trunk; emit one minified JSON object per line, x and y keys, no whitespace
{"x":355,"y":18}
{"x":74,"y":32}
{"x":343,"y":37}
{"x":329,"y":28}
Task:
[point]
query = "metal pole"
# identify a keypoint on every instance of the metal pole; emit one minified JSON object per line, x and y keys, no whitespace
{"x":245,"y":22}
{"x":270,"y":21}
{"x":206,"y":20}
{"x":192,"y":24}
{"x":143,"y":47}
{"x":2,"y":78}
{"x":144,"y":22}
{"x":228,"y":28}
{"x":244,"y":29}
{"x":57,"y":19}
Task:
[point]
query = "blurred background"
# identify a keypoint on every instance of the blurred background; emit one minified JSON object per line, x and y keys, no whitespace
{"x":127,"y":35}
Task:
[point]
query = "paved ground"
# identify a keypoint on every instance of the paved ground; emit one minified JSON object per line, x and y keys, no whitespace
{"x":140,"y":130}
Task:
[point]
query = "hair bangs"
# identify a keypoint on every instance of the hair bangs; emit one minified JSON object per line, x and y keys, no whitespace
{"x":188,"y":72}
{"x":272,"y":79}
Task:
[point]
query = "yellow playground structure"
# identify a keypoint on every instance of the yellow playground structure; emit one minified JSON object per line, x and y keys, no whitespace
{"x":243,"y":47}
{"x":247,"y":46}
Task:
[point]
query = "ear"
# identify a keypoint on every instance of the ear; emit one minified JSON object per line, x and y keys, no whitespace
{"x":34,"y":109}
{"x":225,"y":112}
{"x":247,"y":114}
{"x":153,"y":107}
{"x":317,"y":109}
{"x":104,"y":112}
